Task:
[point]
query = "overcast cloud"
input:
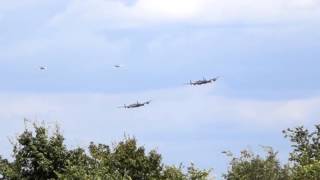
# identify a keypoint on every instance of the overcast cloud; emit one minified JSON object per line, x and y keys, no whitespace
{"x":266,"y":52}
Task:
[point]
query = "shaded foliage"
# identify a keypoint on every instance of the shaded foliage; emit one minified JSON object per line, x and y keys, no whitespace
{"x":306,"y":152}
{"x":39,"y":156}
{"x":253,"y":167}
{"x":304,"y":160}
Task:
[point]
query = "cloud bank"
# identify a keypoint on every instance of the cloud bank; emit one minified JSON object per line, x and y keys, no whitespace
{"x":170,"y":109}
{"x":111,"y":13}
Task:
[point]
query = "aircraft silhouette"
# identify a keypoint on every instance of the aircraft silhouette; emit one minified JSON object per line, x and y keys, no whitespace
{"x":135,"y":105}
{"x":118,"y":66}
{"x":42,"y":68}
{"x":203,"y":81}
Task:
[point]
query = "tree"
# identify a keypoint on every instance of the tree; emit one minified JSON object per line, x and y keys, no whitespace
{"x":304,"y":161}
{"x":6,"y":170}
{"x":127,"y":160}
{"x":40,"y":156}
{"x":172,"y":172}
{"x":253,"y":167}
{"x":176,"y":173}
{"x":306,"y":152}
{"x":197,"y":174}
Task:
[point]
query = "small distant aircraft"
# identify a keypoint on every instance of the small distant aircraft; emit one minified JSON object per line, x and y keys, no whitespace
{"x":135,"y":105}
{"x":118,"y":66}
{"x":42,"y":68}
{"x":203,"y":81}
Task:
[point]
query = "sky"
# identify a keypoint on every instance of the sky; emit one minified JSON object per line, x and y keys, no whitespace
{"x":266,"y":53}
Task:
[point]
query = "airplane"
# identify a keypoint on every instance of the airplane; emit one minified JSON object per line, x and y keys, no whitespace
{"x":118,"y":65}
{"x":135,"y":105}
{"x":42,"y":68}
{"x":203,"y":81}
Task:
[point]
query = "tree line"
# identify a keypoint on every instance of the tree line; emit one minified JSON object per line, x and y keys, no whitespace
{"x":40,"y":154}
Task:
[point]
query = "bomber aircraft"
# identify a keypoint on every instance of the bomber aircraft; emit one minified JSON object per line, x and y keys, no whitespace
{"x":118,"y":66}
{"x":135,"y":105}
{"x":42,"y":68}
{"x":203,"y":81}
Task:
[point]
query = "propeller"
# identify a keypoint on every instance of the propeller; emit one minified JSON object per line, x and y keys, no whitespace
{"x":124,"y":106}
{"x":189,"y":83}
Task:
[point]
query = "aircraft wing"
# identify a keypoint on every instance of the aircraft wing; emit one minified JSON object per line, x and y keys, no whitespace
{"x":216,"y":78}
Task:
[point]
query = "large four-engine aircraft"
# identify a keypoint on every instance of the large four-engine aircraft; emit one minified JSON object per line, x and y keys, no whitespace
{"x":135,"y":105}
{"x":138,"y":104}
{"x":203,"y":81}
{"x":42,"y":68}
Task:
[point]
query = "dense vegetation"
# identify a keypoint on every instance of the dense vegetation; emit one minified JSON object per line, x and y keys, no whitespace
{"x":39,"y":155}
{"x":304,"y":161}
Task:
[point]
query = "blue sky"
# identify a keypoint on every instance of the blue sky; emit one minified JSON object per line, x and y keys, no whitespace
{"x":266,"y":53}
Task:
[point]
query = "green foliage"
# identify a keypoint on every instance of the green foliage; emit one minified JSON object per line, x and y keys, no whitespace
{"x":39,"y":156}
{"x":197,"y":174}
{"x":306,"y":152}
{"x":304,"y":160}
{"x":172,"y":172}
{"x":128,"y":159}
{"x":253,"y":167}
{"x":306,"y":145}
{"x":310,"y":171}
{"x":176,"y":173}
{"x":6,"y":169}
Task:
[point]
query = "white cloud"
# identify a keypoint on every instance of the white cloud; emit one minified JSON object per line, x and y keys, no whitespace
{"x":110,"y":13}
{"x":171,"y":108}
{"x":59,"y":45}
